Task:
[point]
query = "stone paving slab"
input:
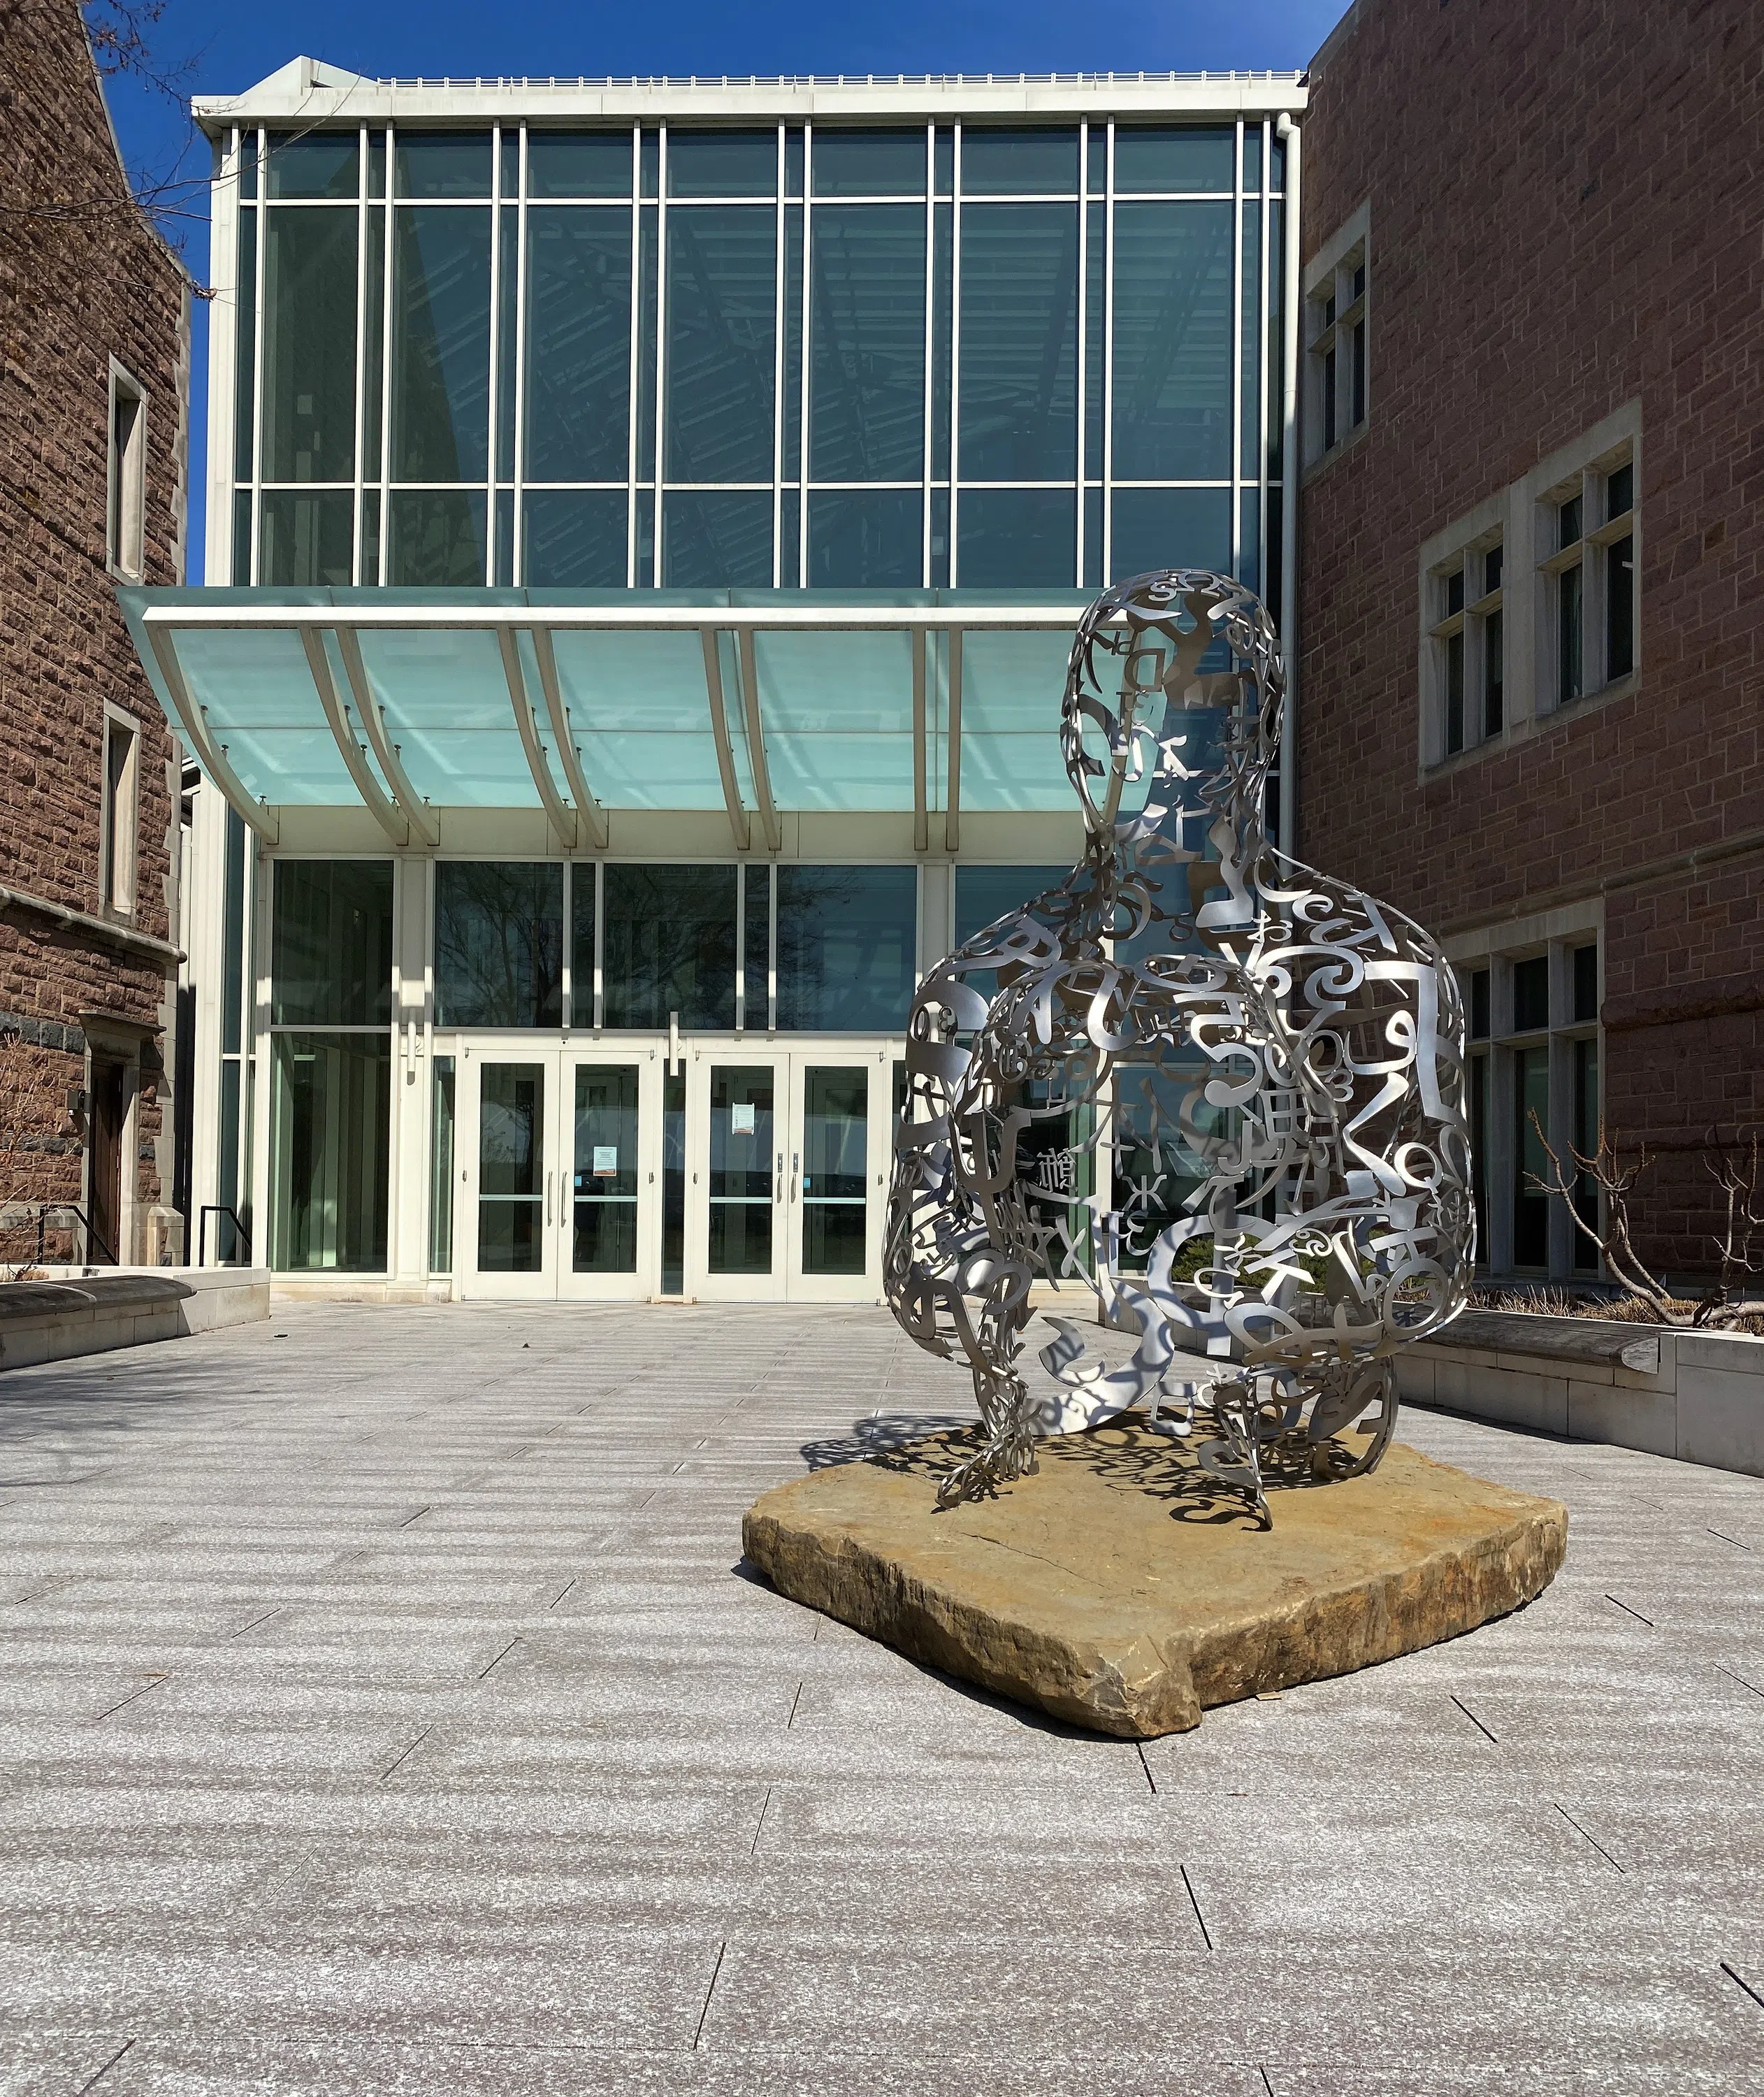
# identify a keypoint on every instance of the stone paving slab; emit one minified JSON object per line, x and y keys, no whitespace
{"x":385,"y":1710}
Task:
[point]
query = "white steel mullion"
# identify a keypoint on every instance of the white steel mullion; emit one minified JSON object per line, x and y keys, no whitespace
{"x":517,"y":464}
{"x":955,"y":357}
{"x":809,"y":281}
{"x":361,"y":353}
{"x":661,"y":346}
{"x":1236,"y":356}
{"x":633,"y":395}
{"x":1083,"y":327}
{"x":492,"y":426}
{"x":779,"y":312}
{"x":1108,"y":362}
{"x":927,"y":451}
{"x":600,"y":940}
{"x":1264,"y":376}
{"x":567,"y":964}
{"x":386,"y":367}
{"x":258,"y":335}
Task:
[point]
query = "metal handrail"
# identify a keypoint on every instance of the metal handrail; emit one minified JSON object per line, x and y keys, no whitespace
{"x":219,"y":1209}
{"x":70,"y":1209}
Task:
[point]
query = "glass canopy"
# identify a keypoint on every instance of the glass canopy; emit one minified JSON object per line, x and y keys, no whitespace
{"x":760,"y":702}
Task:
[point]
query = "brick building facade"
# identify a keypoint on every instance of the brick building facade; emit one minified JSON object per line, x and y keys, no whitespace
{"x":1532,"y":530}
{"x":95,"y":314}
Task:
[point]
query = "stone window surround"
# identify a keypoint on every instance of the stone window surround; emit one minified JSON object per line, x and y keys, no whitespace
{"x":118,"y":845}
{"x":1332,"y":268}
{"x":125,"y":480}
{"x":1496,"y":947}
{"x":1520,"y":518}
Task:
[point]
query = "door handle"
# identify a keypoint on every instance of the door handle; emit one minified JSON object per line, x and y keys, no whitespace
{"x":778,"y":1185}
{"x":796,"y":1159}
{"x":550,"y":1177}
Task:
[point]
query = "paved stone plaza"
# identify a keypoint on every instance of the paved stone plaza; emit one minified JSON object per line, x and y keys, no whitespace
{"x":384,"y":1708}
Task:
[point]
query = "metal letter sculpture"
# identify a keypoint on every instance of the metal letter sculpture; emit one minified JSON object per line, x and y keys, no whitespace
{"x":1270,"y":1061}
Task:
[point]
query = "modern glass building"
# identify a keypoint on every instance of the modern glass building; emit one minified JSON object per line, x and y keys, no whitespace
{"x":646,"y":525}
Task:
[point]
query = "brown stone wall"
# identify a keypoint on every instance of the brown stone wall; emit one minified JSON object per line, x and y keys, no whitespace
{"x":1567,"y":214}
{"x":83,"y":278}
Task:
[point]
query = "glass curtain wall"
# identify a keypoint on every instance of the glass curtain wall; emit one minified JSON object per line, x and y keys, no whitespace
{"x":978,"y":355}
{"x":331,"y":1077}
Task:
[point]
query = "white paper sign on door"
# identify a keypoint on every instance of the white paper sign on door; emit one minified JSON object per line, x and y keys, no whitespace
{"x":606,"y":1161}
{"x":741,"y":1119}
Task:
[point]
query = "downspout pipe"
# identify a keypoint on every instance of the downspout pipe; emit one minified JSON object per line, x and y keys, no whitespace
{"x":1291,"y":136}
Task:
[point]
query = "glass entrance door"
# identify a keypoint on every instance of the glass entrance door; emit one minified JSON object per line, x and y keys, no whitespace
{"x":508,"y":1172}
{"x":838,"y":1178}
{"x":608,"y":1219}
{"x":736,"y":1178}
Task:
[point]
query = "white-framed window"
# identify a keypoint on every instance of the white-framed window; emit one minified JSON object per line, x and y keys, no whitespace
{"x":1531,"y":996}
{"x":1467,"y":652}
{"x":1586,"y":538}
{"x":1336,"y":303}
{"x":126,"y":526}
{"x":117,"y":824}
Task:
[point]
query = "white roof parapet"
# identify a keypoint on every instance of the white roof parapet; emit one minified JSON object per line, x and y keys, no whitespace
{"x":307,"y":92}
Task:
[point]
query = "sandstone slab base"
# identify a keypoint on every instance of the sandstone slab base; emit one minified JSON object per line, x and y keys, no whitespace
{"x":1121,"y":1590}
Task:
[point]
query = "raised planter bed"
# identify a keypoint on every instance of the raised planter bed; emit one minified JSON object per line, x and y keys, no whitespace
{"x":1695,"y":1395}
{"x":78,"y":1311}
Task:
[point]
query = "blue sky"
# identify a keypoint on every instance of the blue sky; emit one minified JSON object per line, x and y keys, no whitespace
{"x":221,"y":47}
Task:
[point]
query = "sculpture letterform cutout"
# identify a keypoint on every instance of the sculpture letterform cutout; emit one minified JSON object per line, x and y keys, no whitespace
{"x":1270,"y":1061}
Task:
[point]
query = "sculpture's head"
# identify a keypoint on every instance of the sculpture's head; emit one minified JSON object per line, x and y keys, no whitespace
{"x":1173,"y":701}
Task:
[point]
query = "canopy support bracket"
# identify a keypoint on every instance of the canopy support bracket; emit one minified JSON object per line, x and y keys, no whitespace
{"x":756,"y":746}
{"x":738,"y":824}
{"x":558,"y":813}
{"x":952,"y":805}
{"x":921,"y":821}
{"x":416,"y":811}
{"x":588,"y":809}
{"x":391,"y":819}
{"x":211,"y":755}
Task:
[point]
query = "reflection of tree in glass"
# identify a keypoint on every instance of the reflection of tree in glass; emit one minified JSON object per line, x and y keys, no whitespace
{"x":845,"y":946}
{"x":669,"y":946}
{"x":499,"y":945}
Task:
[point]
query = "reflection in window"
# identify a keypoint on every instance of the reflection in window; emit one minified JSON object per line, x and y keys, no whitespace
{"x":308,"y":539}
{"x":1172,"y":342}
{"x":983,"y":894}
{"x":576,"y":538}
{"x":846,"y":946}
{"x":866,"y":539}
{"x":1033,"y":163}
{"x":1156,"y":1169}
{"x":442,"y":1106}
{"x":1169,"y":527}
{"x":440,"y":343}
{"x":437,"y":538}
{"x":710,"y":163}
{"x":1173,"y":159}
{"x":331,"y":942}
{"x":867,"y":373}
{"x":498,"y":944}
{"x":576,"y":163}
{"x":1019,"y":343}
{"x":319,"y":164}
{"x":716,"y":539}
{"x":667,"y":946}
{"x":721,"y":324}
{"x":873,"y":163}
{"x":443,"y":164}
{"x":1017,"y":538}
{"x":330,"y":1124}
{"x":308,"y":370}
{"x":578,"y":343}
{"x":743,"y":1162}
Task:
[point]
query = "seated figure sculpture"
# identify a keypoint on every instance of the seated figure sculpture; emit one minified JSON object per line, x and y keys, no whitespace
{"x":1270,"y":1060}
